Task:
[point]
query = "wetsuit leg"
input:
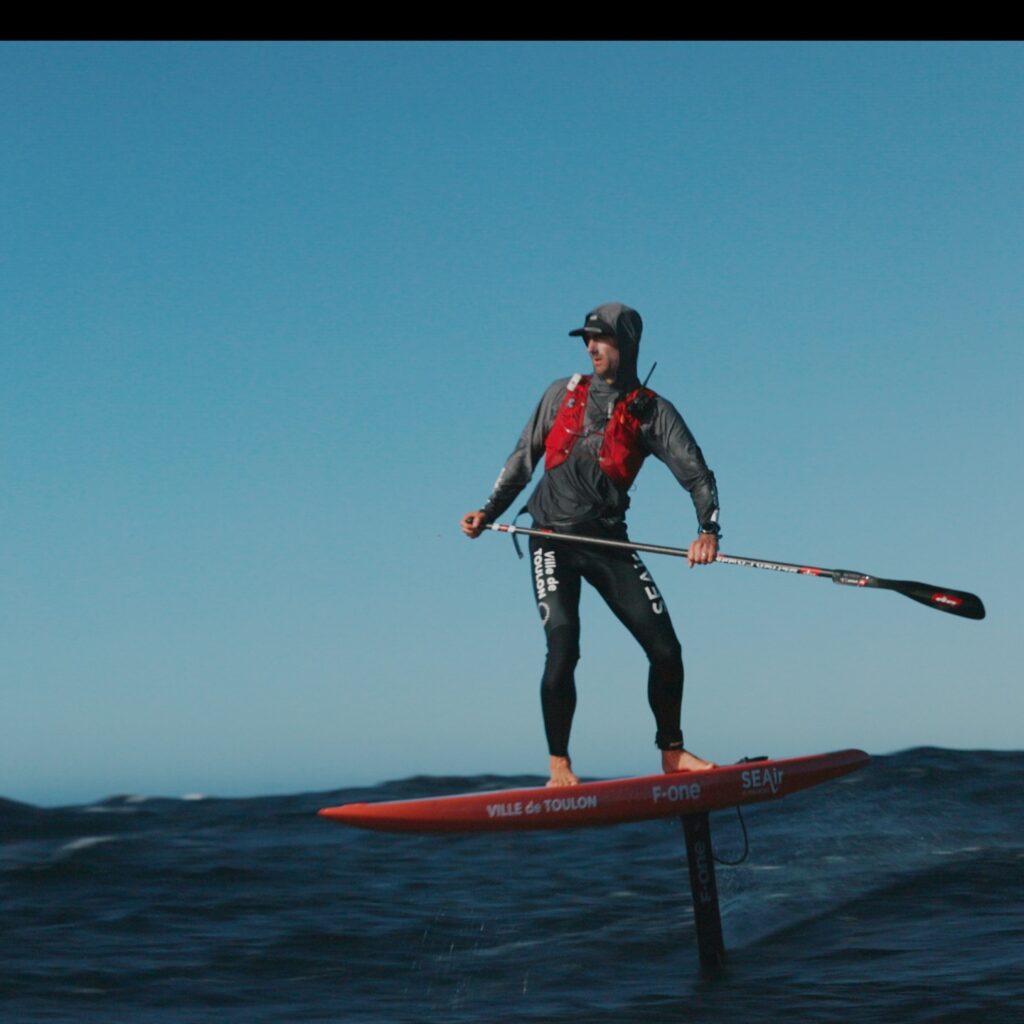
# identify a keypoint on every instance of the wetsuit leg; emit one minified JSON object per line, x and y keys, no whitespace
{"x":629,"y":590}
{"x":556,"y":588}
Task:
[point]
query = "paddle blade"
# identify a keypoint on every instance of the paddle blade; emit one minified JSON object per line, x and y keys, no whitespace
{"x":956,"y":602}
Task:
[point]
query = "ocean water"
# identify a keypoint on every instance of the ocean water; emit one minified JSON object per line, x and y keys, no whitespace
{"x":894,"y":894}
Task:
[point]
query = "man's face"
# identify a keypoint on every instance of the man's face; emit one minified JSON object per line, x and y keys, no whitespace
{"x":604,"y":355}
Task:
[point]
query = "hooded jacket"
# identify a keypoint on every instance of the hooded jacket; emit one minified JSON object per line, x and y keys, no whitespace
{"x":577,"y":491}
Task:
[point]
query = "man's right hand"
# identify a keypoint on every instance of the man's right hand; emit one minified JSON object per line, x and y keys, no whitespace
{"x":473,"y":524}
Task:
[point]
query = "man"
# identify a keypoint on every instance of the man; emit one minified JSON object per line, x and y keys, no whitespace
{"x":594,"y":433}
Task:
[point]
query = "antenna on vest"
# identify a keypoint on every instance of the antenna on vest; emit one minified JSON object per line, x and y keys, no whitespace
{"x":640,"y":404}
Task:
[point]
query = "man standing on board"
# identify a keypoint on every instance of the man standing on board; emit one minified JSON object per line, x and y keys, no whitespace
{"x":594,"y":433}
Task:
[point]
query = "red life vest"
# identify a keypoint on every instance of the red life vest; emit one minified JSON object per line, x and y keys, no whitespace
{"x":622,"y":453}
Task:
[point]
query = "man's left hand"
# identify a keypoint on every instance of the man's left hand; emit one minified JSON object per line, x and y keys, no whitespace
{"x":703,"y":550}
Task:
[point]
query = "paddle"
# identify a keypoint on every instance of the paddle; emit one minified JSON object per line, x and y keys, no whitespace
{"x":956,"y":602}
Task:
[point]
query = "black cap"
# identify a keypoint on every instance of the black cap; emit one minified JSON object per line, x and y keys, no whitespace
{"x":593,"y":325}
{"x":614,"y":319}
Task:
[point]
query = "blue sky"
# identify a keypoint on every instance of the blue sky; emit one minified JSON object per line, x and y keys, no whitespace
{"x":273,"y":315}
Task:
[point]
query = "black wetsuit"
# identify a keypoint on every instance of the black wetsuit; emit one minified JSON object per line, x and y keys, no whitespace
{"x":578,"y":497}
{"x":622,"y":579}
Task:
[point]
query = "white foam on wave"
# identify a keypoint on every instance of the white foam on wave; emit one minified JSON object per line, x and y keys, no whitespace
{"x":85,"y":842}
{"x":195,"y":796}
{"x":120,"y":804}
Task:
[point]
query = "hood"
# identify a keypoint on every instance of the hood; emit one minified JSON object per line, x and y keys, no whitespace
{"x":625,"y":325}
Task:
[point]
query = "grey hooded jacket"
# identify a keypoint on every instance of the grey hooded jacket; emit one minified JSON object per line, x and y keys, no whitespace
{"x":578,"y":491}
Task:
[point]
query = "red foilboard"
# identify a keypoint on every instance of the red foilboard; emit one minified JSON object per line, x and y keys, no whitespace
{"x":610,"y":802}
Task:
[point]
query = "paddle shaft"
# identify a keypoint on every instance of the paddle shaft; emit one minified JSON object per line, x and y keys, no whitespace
{"x":956,"y":602}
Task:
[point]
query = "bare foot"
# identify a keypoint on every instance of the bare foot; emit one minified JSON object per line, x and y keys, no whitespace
{"x":562,"y":773}
{"x":684,"y":761}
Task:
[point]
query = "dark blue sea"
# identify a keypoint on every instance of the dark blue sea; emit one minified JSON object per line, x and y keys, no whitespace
{"x":895,"y":894}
